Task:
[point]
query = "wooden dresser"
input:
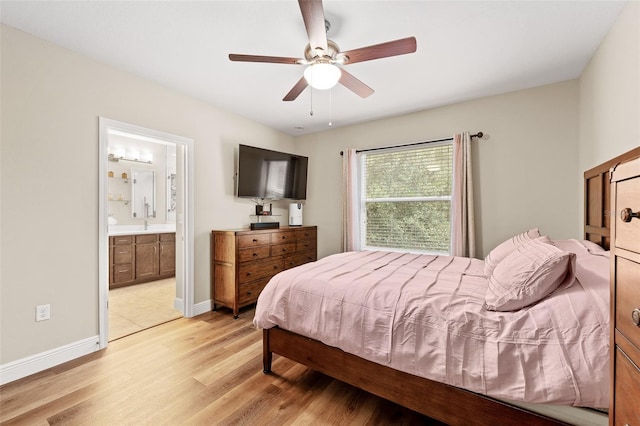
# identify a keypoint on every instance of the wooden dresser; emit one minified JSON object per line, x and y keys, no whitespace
{"x":243,"y":261}
{"x":624,"y":407}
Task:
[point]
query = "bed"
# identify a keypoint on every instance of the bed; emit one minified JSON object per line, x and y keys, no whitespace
{"x":457,"y":395}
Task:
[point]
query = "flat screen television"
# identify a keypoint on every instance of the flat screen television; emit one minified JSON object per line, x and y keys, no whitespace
{"x":263,"y":173}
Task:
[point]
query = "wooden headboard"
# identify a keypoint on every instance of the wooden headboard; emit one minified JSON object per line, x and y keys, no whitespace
{"x":597,"y":199}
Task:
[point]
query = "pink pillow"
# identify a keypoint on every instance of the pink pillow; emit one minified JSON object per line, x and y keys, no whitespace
{"x":506,"y":248}
{"x":533,"y":271}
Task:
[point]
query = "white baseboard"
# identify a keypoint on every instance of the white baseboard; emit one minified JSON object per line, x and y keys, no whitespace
{"x":202,"y":307}
{"x":199,"y":308}
{"x":35,"y":363}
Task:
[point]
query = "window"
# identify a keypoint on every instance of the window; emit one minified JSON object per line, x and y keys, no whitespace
{"x":406,"y":199}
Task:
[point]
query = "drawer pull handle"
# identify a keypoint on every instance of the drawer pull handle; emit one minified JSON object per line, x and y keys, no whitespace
{"x":275,"y":266}
{"x":255,"y":241}
{"x":635,"y":316}
{"x":627,"y":214}
{"x":255,"y":254}
{"x":248,"y":274}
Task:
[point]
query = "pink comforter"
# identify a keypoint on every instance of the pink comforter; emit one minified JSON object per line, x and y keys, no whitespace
{"x":424,"y":315}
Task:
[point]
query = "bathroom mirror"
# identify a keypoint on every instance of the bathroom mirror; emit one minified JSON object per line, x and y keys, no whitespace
{"x":143,"y":193}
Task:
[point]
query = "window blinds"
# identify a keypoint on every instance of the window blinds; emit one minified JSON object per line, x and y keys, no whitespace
{"x":406,"y":198}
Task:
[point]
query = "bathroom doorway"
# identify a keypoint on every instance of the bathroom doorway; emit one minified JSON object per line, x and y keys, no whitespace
{"x":146,"y":231}
{"x":137,"y":307}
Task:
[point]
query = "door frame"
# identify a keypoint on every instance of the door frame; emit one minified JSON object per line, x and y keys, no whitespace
{"x":185,"y":220}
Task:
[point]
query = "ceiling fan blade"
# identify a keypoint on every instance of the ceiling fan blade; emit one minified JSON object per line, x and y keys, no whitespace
{"x":259,"y":58}
{"x":296,"y":90}
{"x":355,"y":85}
{"x":382,"y":50}
{"x":313,"y":17}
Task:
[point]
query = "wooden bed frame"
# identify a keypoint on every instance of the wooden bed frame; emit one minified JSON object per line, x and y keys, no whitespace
{"x":446,"y":403}
{"x":597,"y":199}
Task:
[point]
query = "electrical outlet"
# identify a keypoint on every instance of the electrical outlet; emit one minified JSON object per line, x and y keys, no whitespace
{"x":43,"y":312}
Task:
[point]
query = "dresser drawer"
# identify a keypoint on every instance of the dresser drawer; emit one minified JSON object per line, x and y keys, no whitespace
{"x":627,"y":298}
{"x":628,"y":233}
{"x":300,"y":259}
{"x":122,"y":273}
{"x":306,"y":234}
{"x":146,"y":239}
{"x":122,"y":254}
{"x":253,"y":253}
{"x":168,"y":237}
{"x":250,"y":271}
{"x":253,"y":240}
{"x":282,"y":249}
{"x":627,"y":391}
{"x":124,"y":239}
{"x":248,"y":292}
{"x":305,"y":245}
{"x":283,"y":237}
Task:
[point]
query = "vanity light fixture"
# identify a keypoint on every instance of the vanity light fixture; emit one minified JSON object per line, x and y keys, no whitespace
{"x":116,"y":158}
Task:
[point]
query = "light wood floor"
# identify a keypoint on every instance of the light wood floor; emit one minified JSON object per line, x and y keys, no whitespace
{"x":192,"y":371}
{"x":138,"y":307}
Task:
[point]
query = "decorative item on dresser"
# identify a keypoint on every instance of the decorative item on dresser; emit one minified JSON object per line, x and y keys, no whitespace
{"x":624,"y":406}
{"x":135,"y":259}
{"x":243,"y":261}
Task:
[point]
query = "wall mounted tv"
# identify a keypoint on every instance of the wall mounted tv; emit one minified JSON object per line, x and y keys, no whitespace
{"x":263,"y":173}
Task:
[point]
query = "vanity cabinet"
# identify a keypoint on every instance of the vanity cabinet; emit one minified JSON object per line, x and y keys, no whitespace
{"x":243,"y":261}
{"x":167,"y":258}
{"x":147,"y":259}
{"x":624,"y":407}
{"x":135,"y":259}
{"x":121,"y":255}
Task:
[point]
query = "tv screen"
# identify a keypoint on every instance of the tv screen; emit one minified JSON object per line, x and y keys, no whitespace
{"x":263,"y":173}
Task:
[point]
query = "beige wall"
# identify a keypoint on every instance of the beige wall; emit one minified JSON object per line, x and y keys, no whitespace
{"x":524,"y":167}
{"x":610,"y":94}
{"x":51,"y":101}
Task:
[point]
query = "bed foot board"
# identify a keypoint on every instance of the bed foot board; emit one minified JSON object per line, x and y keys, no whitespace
{"x":267,"y":355}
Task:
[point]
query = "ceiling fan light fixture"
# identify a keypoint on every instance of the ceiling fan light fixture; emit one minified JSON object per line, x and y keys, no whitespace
{"x":322,"y":75}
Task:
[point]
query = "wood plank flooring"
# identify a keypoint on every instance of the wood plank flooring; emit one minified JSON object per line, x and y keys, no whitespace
{"x":205,"y":370}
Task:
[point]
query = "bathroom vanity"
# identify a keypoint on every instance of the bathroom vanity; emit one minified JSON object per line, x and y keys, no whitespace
{"x":139,"y":258}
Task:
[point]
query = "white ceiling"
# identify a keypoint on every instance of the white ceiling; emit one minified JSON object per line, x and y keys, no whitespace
{"x":466,"y":50}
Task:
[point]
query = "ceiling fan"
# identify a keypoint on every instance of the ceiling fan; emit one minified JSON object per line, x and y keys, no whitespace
{"x":322,"y":56}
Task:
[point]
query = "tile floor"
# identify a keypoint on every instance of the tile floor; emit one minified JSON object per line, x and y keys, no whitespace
{"x":141,"y":306}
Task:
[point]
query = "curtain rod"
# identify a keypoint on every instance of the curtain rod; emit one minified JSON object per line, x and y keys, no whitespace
{"x":478,"y":135}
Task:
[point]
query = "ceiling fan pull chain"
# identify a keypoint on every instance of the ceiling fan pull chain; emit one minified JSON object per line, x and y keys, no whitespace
{"x":330,"y":107}
{"x":311,"y":97}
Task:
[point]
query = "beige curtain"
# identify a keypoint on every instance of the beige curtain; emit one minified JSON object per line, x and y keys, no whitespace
{"x":350,"y":224}
{"x":463,"y":240}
